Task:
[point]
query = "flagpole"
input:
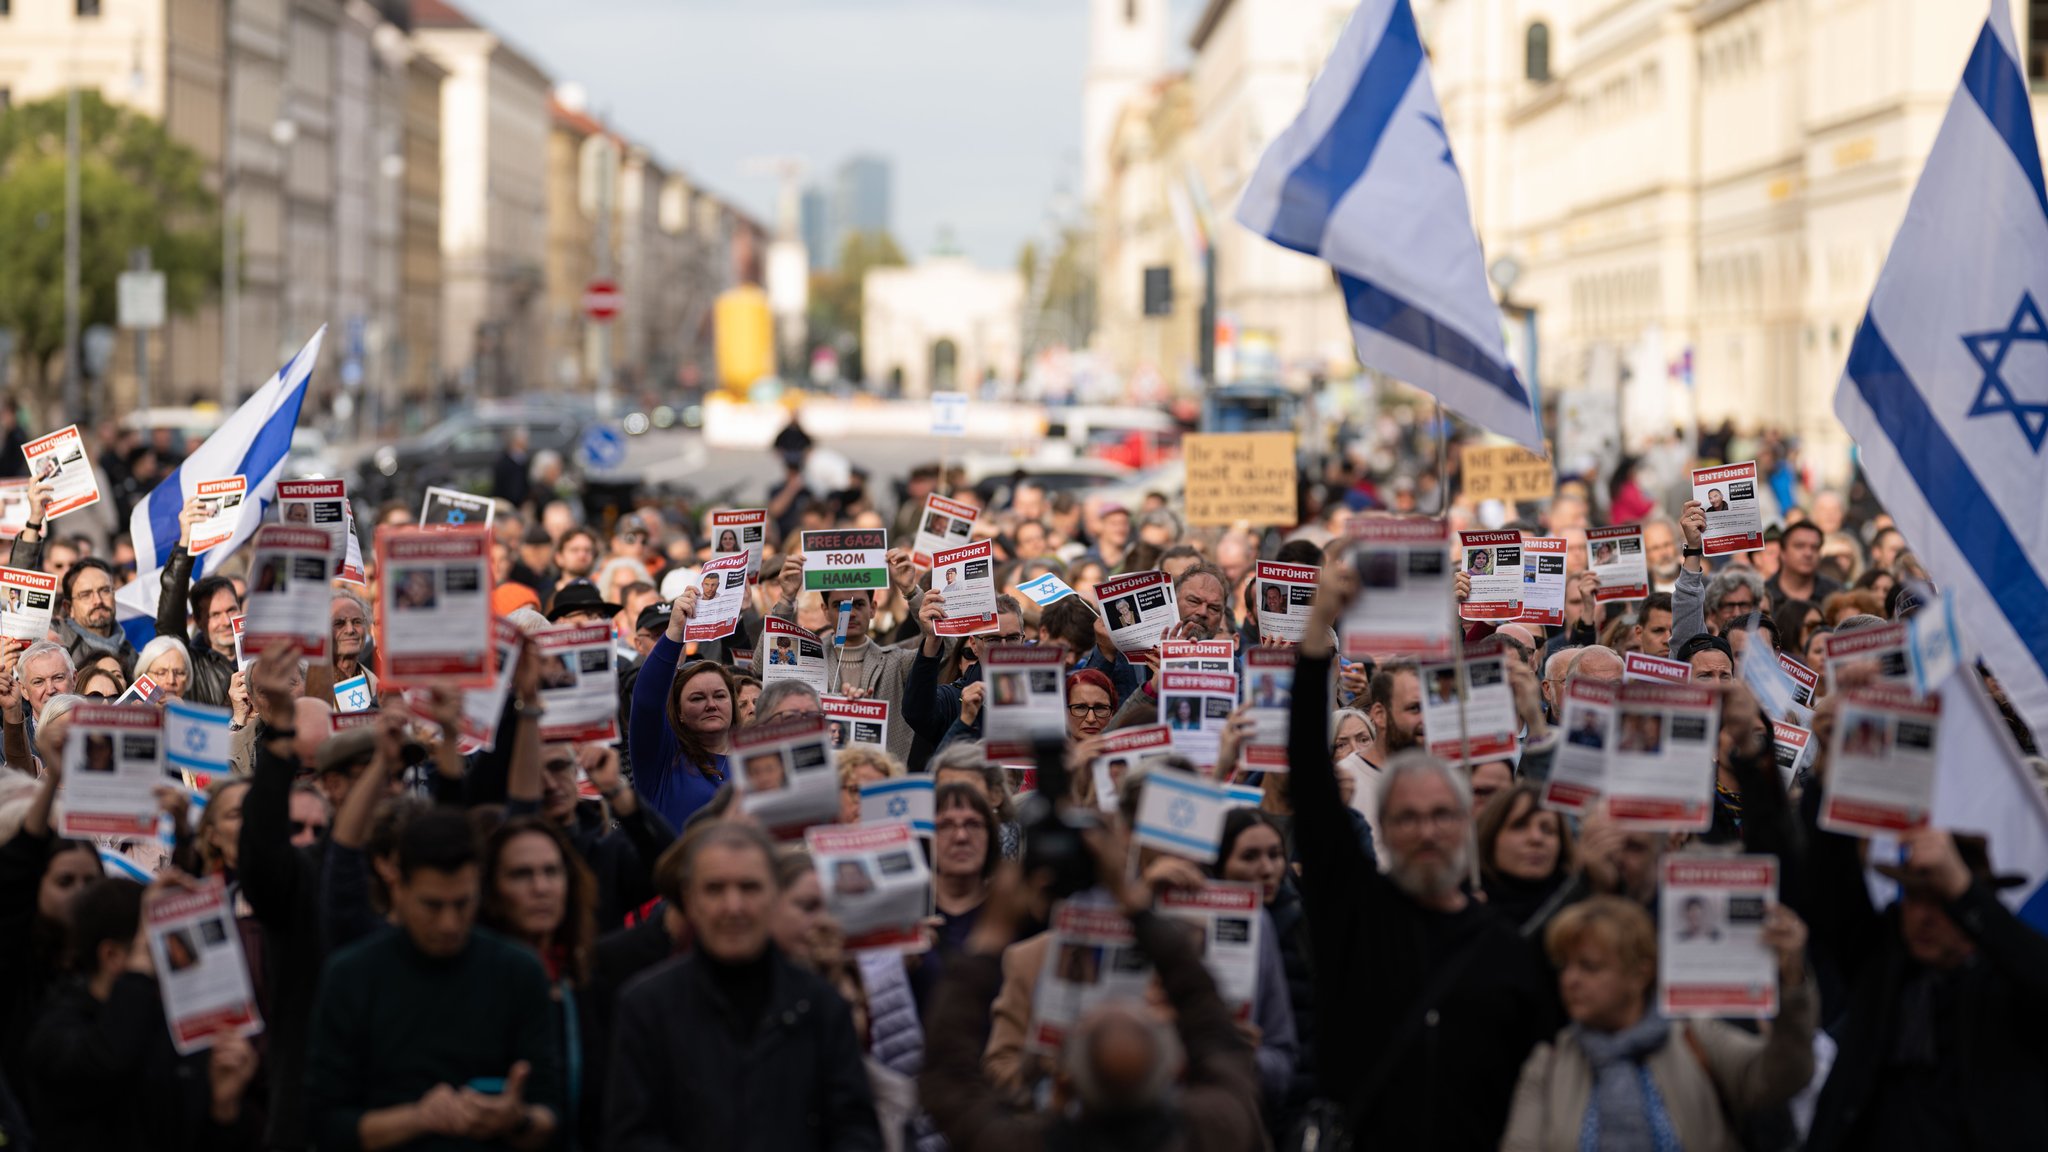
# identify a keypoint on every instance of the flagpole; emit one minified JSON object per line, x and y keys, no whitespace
{"x":1443,"y":488}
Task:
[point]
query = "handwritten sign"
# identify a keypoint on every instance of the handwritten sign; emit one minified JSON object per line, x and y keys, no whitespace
{"x":1509,"y":473}
{"x":1237,"y":476}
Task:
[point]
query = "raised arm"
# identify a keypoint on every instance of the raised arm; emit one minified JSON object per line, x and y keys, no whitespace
{"x":173,"y":599}
{"x":27,"y":552}
{"x":1689,"y":595}
{"x":1329,"y":849}
{"x":647,"y":727}
{"x":269,"y":871}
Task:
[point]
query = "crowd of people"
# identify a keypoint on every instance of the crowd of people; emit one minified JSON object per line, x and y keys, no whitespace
{"x":599,"y":945}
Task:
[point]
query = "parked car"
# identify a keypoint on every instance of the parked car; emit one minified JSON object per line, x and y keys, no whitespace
{"x":459,"y":451}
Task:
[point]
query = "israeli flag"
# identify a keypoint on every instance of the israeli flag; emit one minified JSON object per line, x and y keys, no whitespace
{"x":1364,"y":179}
{"x":1946,"y":389}
{"x":352,"y":695}
{"x":196,"y":738}
{"x":1181,"y":814}
{"x":902,"y":798}
{"x":251,"y":443}
{"x":1984,"y":786}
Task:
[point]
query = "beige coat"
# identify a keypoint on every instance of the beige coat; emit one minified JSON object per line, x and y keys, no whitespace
{"x":1006,"y":1061}
{"x":1749,"y":1073}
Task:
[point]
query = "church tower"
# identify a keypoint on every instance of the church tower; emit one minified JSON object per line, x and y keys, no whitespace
{"x":1126,"y":52}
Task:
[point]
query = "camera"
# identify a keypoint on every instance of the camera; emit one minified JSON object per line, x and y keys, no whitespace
{"x":1053,"y":829}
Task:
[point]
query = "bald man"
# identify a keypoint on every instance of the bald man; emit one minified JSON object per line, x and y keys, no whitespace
{"x":1598,"y":663}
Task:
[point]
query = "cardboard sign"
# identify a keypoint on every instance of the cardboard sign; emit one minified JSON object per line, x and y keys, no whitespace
{"x":1509,"y":473}
{"x":845,"y":559}
{"x":1248,"y":476}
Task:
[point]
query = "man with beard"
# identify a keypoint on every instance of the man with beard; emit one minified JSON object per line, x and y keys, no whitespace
{"x":1394,"y":704}
{"x":90,"y":630}
{"x":1660,"y":551}
{"x":1430,"y":1002}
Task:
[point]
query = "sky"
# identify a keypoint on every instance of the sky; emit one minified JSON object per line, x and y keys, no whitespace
{"x":976,"y":102}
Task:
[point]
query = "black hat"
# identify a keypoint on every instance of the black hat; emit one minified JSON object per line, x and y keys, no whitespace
{"x":581,"y":596}
{"x":536,"y":533}
{"x":653,"y":618}
{"x":1975,"y":852}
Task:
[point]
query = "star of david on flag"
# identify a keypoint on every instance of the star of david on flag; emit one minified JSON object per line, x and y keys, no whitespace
{"x":1946,"y":395}
{"x":1181,"y":813}
{"x":903,"y":798}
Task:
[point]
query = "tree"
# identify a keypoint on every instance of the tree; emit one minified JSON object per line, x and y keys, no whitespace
{"x":137,"y":188}
{"x":837,"y":300}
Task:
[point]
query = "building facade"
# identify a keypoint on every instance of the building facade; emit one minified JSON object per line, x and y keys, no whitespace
{"x":1126,"y":55}
{"x":1148,"y":242}
{"x":943,"y":324}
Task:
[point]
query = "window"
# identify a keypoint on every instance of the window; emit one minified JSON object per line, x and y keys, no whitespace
{"x":88,"y":7}
{"x":2037,"y":43}
{"x":1130,"y":11}
{"x":1536,"y":65}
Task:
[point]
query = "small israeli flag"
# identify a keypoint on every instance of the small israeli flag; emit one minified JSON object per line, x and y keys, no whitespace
{"x":1182,"y":814}
{"x":1364,"y":179}
{"x":1946,"y":389}
{"x":1984,"y":786}
{"x":352,"y":695}
{"x":902,"y":798}
{"x":196,"y":738}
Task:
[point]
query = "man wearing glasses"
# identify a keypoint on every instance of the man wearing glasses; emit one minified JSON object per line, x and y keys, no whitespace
{"x":930,"y":707}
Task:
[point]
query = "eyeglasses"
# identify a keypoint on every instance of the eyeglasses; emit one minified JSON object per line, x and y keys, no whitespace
{"x":301,"y":827}
{"x":1078,"y":711}
{"x":559,"y":766}
{"x":1441,"y":817}
{"x":1009,"y":638}
{"x":1737,"y":606}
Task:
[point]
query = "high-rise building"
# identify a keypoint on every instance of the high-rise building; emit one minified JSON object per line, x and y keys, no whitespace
{"x":815,"y":222}
{"x":1126,"y":53}
{"x":862,"y":200}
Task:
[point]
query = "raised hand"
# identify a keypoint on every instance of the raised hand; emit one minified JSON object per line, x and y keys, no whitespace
{"x":192,"y":513}
{"x":270,"y":682}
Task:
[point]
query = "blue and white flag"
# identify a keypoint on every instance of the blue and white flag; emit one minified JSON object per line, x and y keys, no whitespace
{"x":1181,"y":814}
{"x":1983,"y":786}
{"x":197,"y":741}
{"x":900,"y":798}
{"x":1946,"y":389}
{"x":1364,"y":179}
{"x":250,"y":443}
{"x":353,"y":695}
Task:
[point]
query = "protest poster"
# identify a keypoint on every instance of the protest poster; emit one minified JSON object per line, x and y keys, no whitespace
{"x":1881,"y":762}
{"x":449,"y":508}
{"x":243,"y":657}
{"x":1046,"y":589}
{"x":1241,"y":476}
{"x":949,"y":413}
{"x":1883,"y":652}
{"x":1790,"y":742}
{"x":1487,"y":727}
{"x":861,"y":721}
{"x":483,"y":707}
{"x":1492,"y":561}
{"x":201,"y":974}
{"x":1578,"y":773}
{"x":721,"y":597}
{"x":1735,"y":518}
{"x":289,"y":592}
{"x":142,"y":690}
{"x":1404,"y":605}
{"x":1642,"y":667}
{"x":113,"y":763}
{"x":1123,"y":752}
{"x":1760,"y":671}
{"x":1196,"y":707}
{"x":785,"y":773}
{"x":434,"y":619}
{"x":353,"y":695}
{"x":1804,"y":680}
{"x":323,"y":504}
{"x":845,"y":559}
{"x":1269,"y":689}
{"x":1138,"y":608}
{"x":1286,"y":595}
{"x":741,"y":531}
{"x":60,"y":462}
{"x":899,"y":798}
{"x":946,"y":524}
{"x":1229,"y":917}
{"x":27,"y":600}
{"x":1933,"y":643}
{"x":1660,"y":768}
{"x":222,"y":503}
{"x":1026,"y":698}
{"x":1181,"y":814}
{"x":965,"y":576}
{"x":1543,"y":572}
{"x":197,"y":743}
{"x":875,"y":882}
{"x":13,"y":508}
{"x":579,"y":684}
{"x":1615,"y":557}
{"x":1711,"y":957}
{"x":1198,"y":655}
{"x":791,"y":653}
{"x":1509,"y":473}
{"x":1092,"y":959}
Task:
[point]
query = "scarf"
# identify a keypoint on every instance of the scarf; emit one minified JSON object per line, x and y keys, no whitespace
{"x":1625,"y":1112}
{"x":107,"y":645}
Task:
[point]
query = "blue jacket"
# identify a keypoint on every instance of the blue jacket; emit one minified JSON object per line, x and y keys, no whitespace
{"x":664,"y":782}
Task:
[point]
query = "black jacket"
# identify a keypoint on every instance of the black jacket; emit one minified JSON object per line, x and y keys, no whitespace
{"x":1375,"y":950}
{"x":681,"y":1076}
{"x":1990,"y":1041}
{"x":1290,"y":924}
{"x":211,"y":671}
{"x":282,"y":885}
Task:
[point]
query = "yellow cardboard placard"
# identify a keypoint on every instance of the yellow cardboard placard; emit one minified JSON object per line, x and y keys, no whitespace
{"x":1235,"y":476}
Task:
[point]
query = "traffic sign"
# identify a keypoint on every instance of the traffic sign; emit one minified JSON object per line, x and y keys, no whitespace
{"x":949,"y":413}
{"x":139,"y":300}
{"x":602,"y":449}
{"x":601,"y":300}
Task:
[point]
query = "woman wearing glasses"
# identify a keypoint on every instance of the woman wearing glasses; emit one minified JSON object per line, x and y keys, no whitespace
{"x":1091,"y":701}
